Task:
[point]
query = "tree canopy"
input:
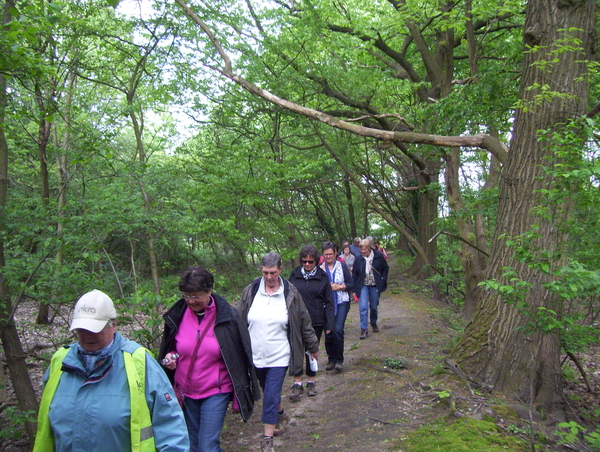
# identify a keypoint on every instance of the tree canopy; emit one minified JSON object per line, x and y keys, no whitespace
{"x":462,"y":135}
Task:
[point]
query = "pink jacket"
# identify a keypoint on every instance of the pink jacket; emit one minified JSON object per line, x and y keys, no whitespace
{"x":209,"y":375}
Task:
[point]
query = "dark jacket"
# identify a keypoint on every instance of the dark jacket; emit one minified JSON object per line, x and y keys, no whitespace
{"x":234,"y":341}
{"x":301,"y":335}
{"x":318,"y":297}
{"x":380,"y":272}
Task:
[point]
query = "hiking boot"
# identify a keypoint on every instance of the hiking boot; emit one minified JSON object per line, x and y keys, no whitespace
{"x":311,"y":389}
{"x":364,"y":334}
{"x":330,"y":366}
{"x":375,"y":328}
{"x":266,"y":445}
{"x":297,"y":391}
{"x":339,"y":367}
{"x":282,"y":421}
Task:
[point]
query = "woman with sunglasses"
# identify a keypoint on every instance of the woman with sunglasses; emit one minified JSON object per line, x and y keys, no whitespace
{"x":206,"y":351}
{"x":313,"y":284}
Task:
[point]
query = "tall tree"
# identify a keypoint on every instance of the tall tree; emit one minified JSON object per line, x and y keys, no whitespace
{"x":497,"y":345}
{"x":11,"y":343}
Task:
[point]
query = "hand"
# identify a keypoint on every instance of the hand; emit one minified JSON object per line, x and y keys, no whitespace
{"x":335,"y":287}
{"x":315,"y":355}
{"x":327,"y":331}
{"x":170,"y":361}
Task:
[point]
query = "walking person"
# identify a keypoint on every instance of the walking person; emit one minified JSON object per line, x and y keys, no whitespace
{"x":355,"y":247}
{"x":341,"y":285}
{"x":206,"y":350}
{"x":348,"y":257}
{"x":345,"y":244}
{"x":314,"y":287}
{"x":107,"y":393}
{"x":280,"y":331}
{"x":370,"y":275}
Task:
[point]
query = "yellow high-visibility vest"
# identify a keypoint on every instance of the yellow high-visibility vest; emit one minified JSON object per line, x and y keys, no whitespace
{"x":142,"y":436}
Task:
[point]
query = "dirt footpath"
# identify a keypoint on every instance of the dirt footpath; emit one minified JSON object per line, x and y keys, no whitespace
{"x":368,"y":405}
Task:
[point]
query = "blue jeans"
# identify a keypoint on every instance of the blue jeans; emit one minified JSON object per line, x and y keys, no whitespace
{"x":271,"y":382}
{"x":334,"y":342}
{"x":369,"y":298}
{"x":204,"y":419}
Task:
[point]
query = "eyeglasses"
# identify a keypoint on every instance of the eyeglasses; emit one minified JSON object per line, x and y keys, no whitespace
{"x":193,"y":298}
{"x":328,"y":254}
{"x":307,"y":262}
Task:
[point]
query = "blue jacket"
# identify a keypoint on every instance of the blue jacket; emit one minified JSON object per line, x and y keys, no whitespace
{"x":92,"y":412}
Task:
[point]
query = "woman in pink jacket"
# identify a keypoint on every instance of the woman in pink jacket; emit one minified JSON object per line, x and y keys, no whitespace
{"x":207,"y":354}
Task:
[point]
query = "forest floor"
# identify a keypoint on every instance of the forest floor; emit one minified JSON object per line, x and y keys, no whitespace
{"x":394,"y":383}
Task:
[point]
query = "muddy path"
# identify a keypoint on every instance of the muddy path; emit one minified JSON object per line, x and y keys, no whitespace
{"x":369,"y":405}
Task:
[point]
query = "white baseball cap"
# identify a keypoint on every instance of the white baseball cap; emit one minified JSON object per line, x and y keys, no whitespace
{"x":93,"y":311}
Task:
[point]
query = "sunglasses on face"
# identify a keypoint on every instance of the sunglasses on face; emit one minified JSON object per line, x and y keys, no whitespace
{"x":307,"y":262}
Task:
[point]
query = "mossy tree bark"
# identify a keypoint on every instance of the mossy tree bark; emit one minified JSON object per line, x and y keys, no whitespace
{"x":495,"y":346}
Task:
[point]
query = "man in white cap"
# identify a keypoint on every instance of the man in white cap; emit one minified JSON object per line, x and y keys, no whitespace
{"x":106,"y":393}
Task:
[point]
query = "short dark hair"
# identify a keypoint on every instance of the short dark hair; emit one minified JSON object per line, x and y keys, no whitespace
{"x":271,"y":260}
{"x":309,"y":250}
{"x":329,"y":245}
{"x":196,"y":279}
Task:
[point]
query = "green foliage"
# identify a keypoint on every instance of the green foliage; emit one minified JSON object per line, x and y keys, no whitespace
{"x":393,"y":363}
{"x":575,"y":434}
{"x":443,"y":394}
{"x":143,"y":311}
{"x":513,"y":292}
{"x":13,"y":421}
{"x":573,"y":282}
{"x":244,"y":177}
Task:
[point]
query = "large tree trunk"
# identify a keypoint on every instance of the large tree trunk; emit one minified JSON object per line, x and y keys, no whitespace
{"x":9,"y":336}
{"x":495,"y":346}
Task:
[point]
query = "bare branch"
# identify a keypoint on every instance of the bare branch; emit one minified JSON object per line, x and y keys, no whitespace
{"x":500,"y":150}
{"x":192,"y":15}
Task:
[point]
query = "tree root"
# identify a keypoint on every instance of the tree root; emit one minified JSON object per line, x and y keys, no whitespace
{"x":581,"y":371}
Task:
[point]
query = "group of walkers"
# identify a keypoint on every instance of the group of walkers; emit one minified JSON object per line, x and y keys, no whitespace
{"x":107,"y":393}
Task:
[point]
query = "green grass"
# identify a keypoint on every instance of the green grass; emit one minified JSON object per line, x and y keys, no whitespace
{"x":462,"y":435}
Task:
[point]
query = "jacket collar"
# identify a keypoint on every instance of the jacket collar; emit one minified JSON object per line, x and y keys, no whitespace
{"x":178,"y":309}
